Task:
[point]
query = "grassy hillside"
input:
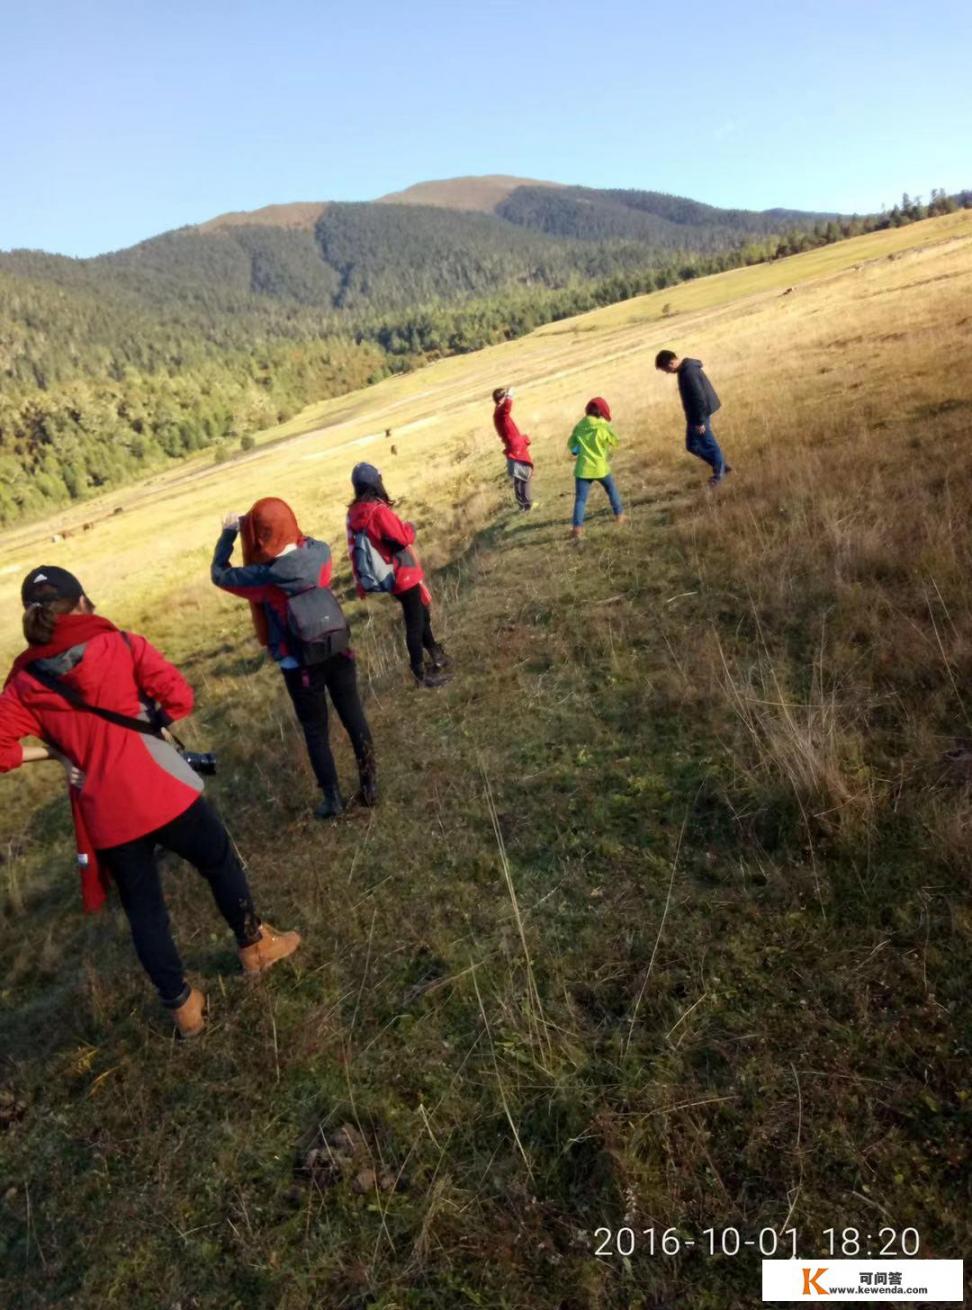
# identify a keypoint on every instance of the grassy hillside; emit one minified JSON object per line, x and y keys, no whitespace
{"x":663,"y":920}
{"x":197,"y":339}
{"x":477,"y":193}
{"x":301,"y":214}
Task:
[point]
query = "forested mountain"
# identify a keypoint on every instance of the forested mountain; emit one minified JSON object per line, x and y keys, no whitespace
{"x":666,"y":222}
{"x":198,"y":337}
{"x":380,"y":256}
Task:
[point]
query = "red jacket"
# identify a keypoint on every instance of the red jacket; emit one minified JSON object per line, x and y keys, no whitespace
{"x":389,"y":535}
{"x":515,"y":443}
{"x":133,"y":783}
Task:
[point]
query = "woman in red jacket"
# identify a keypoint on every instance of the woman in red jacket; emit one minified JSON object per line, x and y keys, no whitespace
{"x":73,"y":687}
{"x":383,"y":558}
{"x":516,"y":445}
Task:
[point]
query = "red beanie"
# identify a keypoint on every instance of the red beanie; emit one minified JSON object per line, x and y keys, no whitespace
{"x":598,"y":408}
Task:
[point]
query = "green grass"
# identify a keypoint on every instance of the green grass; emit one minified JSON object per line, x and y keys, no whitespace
{"x":663,"y":920}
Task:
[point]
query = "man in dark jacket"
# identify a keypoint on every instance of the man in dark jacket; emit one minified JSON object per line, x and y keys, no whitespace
{"x":700,"y":402}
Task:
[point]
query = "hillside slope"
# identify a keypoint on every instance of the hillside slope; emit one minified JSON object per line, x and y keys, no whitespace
{"x":121,"y":365}
{"x":301,"y":214}
{"x":484,"y":194}
{"x":649,"y":216}
{"x":116,"y":366}
{"x":663,"y":921}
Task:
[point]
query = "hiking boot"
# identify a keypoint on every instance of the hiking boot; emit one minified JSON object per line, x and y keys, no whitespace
{"x":576,"y":534}
{"x":621,"y":518}
{"x":189,"y":1017}
{"x":438,"y":657}
{"x":271,"y":947}
{"x":717,"y":478}
{"x":432,"y":678}
{"x":331,"y":806}
{"x":368,"y":788}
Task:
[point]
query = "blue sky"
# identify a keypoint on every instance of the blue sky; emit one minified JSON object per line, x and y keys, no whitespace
{"x":123,"y":118}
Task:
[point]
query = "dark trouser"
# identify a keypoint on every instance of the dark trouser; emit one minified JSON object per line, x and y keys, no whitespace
{"x":198,"y":836}
{"x":705,"y":447}
{"x":418,"y":628}
{"x":309,"y":690}
{"x":522,"y":475}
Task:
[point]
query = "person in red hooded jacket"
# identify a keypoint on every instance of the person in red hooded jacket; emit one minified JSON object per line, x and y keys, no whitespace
{"x":372,"y":520}
{"x":516,"y":446}
{"x":74,"y":687}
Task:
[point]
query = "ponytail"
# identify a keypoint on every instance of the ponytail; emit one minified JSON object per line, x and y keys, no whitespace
{"x":40,"y":619}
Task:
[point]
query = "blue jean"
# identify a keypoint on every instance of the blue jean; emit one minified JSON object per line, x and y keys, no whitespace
{"x":583,"y":490}
{"x":705,"y":447}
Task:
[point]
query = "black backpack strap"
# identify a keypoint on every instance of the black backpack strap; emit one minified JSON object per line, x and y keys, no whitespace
{"x":144,"y":726}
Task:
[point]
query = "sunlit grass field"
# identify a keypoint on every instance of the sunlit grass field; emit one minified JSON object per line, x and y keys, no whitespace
{"x":663,"y":921}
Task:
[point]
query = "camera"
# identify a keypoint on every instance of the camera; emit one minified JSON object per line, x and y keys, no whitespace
{"x":203,"y":762}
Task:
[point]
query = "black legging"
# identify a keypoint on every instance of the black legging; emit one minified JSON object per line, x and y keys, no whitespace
{"x":418,"y":628}
{"x":198,"y":836}
{"x":309,"y":688}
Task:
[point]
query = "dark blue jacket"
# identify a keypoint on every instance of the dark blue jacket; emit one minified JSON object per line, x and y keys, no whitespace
{"x":699,"y":399}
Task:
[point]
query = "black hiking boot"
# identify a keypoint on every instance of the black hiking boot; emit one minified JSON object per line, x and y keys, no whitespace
{"x":331,"y":806}
{"x":367,"y":784}
{"x":438,"y":658}
{"x":432,"y":678}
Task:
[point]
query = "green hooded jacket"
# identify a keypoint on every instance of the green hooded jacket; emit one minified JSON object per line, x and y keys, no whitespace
{"x":590,"y":441}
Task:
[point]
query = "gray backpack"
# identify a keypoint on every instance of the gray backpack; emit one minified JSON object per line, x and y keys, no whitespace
{"x":372,"y":571}
{"x":316,"y":625}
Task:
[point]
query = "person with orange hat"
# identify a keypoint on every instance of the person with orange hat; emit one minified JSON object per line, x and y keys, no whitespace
{"x":589,"y":445}
{"x":286,"y":577}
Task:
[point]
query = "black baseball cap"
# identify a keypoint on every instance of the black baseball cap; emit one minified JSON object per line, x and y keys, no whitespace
{"x":49,"y":582}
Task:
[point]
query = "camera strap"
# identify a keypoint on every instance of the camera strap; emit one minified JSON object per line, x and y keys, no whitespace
{"x":144,"y":726}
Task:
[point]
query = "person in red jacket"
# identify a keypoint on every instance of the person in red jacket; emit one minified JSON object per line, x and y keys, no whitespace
{"x":130,"y":791}
{"x":516,"y":445}
{"x":373,"y":522}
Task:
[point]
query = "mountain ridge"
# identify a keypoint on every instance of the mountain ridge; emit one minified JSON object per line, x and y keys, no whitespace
{"x":491,"y":193}
{"x":480,"y":192}
{"x":448,"y":240}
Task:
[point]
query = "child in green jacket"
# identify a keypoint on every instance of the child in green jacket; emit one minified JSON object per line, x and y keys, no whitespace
{"x":590,"y":442}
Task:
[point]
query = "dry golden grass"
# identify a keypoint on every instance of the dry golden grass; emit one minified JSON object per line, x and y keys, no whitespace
{"x":478,"y":193}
